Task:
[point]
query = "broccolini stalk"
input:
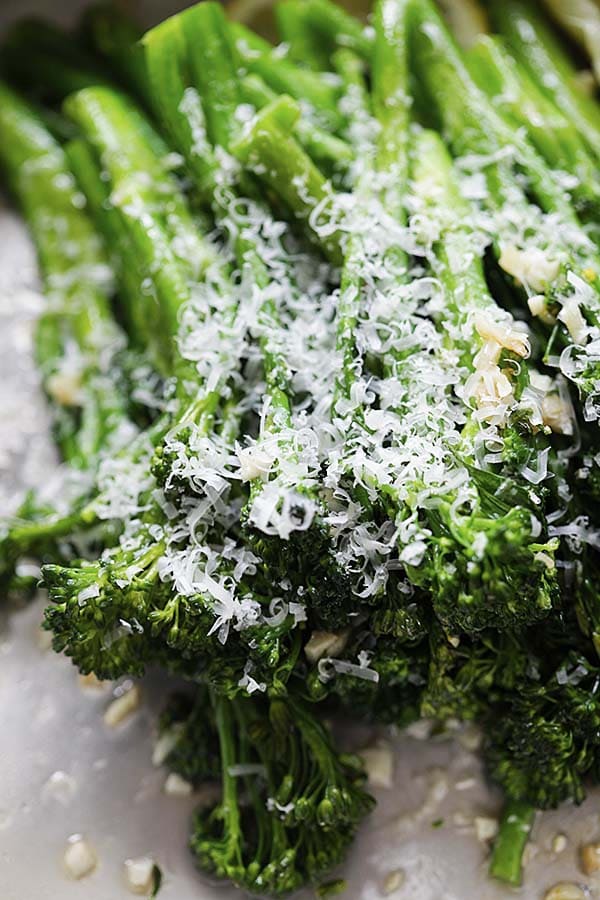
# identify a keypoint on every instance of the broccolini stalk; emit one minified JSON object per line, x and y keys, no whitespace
{"x":41,"y":58}
{"x":379,"y":126}
{"x":383,"y":176}
{"x":330,"y":153}
{"x":462,"y":603}
{"x":503,"y":411}
{"x":270,"y":151}
{"x":318,"y":91}
{"x":282,"y":511}
{"x":340,"y":28}
{"x":116,"y":38}
{"x":310,"y":197}
{"x":77,"y":339}
{"x":124,"y":259}
{"x":537,"y":48}
{"x":507,"y":856}
{"x":141,"y":582}
{"x":176,"y":103}
{"x":543,"y":246}
{"x":148,"y":200}
{"x":581,"y":20}
{"x":518,"y":97}
{"x":296,"y":29}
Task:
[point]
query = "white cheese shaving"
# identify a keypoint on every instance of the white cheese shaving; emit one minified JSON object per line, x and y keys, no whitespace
{"x":255,"y":462}
{"x":327,"y":666}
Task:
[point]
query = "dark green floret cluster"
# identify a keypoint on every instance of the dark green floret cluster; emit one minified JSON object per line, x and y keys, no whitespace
{"x":321,"y":344}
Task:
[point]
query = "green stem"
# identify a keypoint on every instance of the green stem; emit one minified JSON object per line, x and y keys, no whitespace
{"x":328,"y":152}
{"x":296,"y":28}
{"x":270,"y":151}
{"x":507,"y":856}
{"x":116,"y":37}
{"x":258,"y":57}
{"x":540,"y":52}
{"x":340,"y":28}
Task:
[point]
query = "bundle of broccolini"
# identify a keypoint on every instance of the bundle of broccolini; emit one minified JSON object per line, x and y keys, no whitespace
{"x":322,"y":345}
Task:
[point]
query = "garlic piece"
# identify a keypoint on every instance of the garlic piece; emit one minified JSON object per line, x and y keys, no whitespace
{"x":486,"y":828}
{"x":176,"y":786}
{"x":379,"y":764}
{"x":79,"y":858}
{"x":91,"y":682}
{"x":532,"y":266}
{"x":501,"y":333}
{"x":393,"y":881}
{"x":139,"y":874}
{"x":559,"y":843}
{"x":44,"y":639}
{"x":565,"y":890}
{"x":590,"y":858}
{"x":65,"y":388}
{"x":123,"y":707}
{"x":556,"y":414}
{"x":571,"y":316}
{"x":325,"y":643}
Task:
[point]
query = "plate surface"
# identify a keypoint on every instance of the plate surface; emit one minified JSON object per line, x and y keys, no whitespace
{"x":64,"y":772}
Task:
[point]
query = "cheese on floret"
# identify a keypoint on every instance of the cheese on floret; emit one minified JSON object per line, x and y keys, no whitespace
{"x":255,"y":462}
